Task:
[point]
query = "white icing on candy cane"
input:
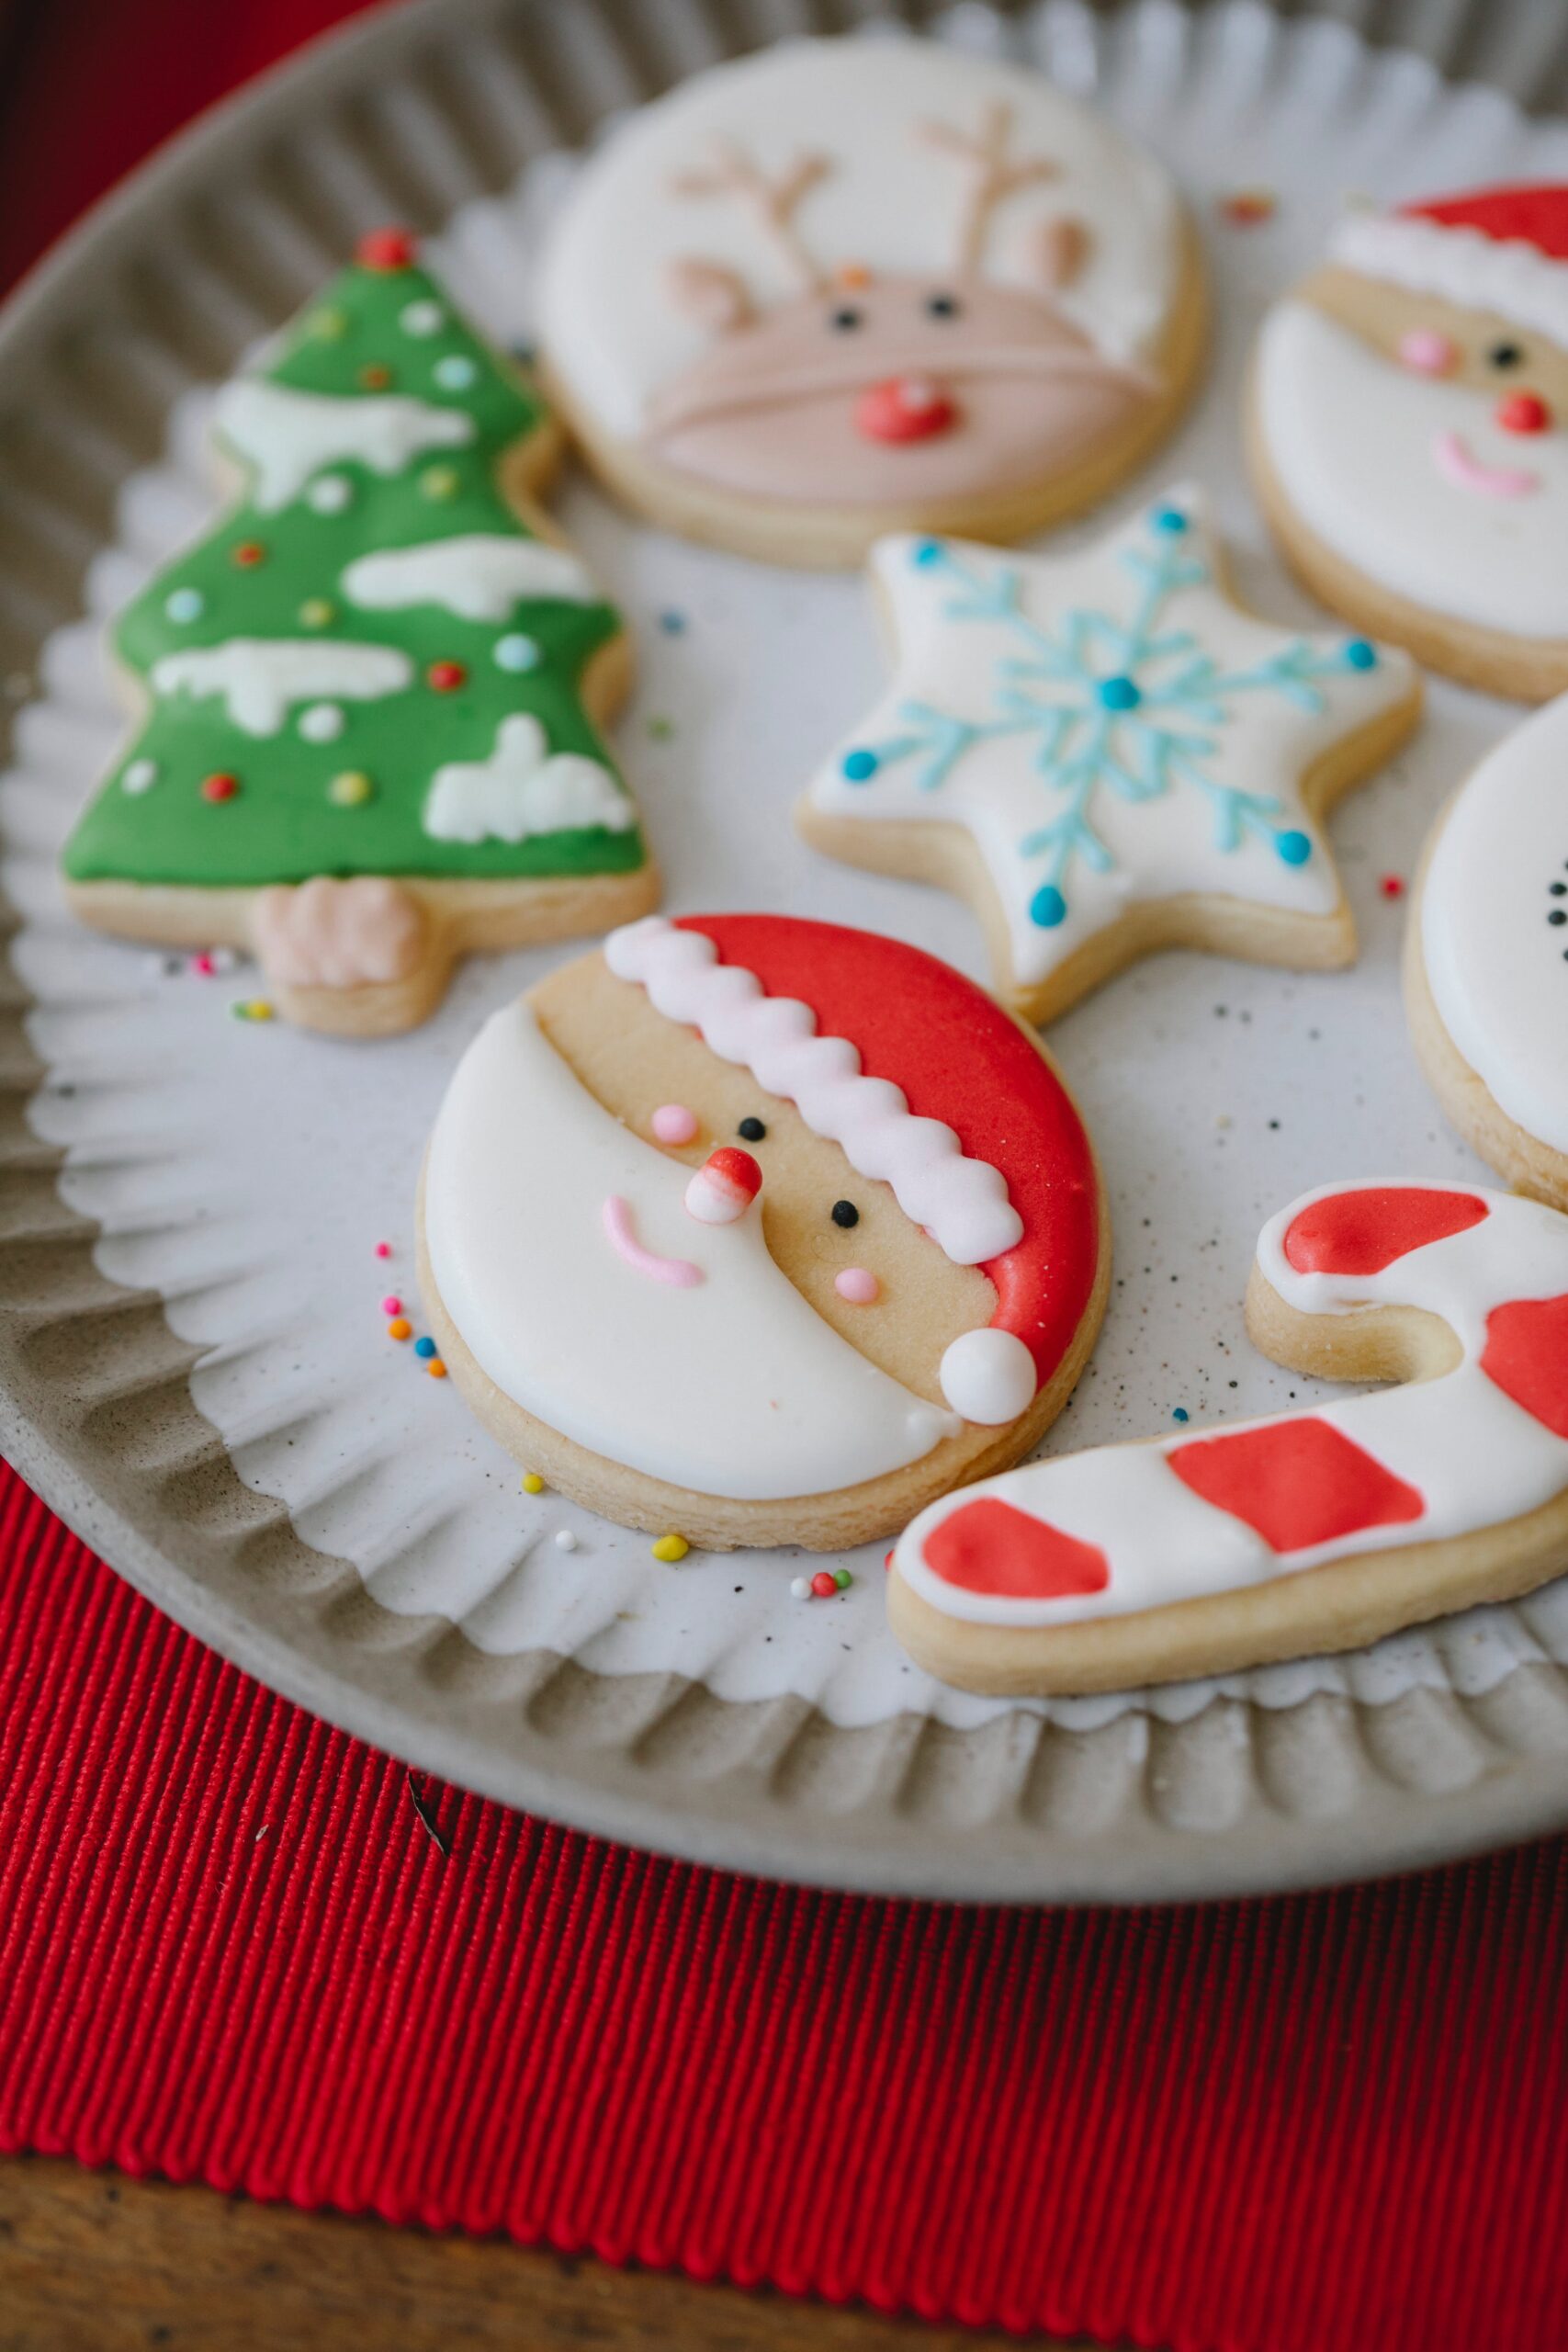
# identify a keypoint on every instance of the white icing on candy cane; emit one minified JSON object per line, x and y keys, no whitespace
{"x":260,"y":677}
{"x":477,"y":575}
{"x":286,"y":437}
{"x":729,"y":1385}
{"x":1132,"y":1527}
{"x":962,"y":1203}
{"x":1493,"y":924}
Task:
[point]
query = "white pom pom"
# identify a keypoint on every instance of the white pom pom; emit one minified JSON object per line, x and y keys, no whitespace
{"x":988,"y":1376}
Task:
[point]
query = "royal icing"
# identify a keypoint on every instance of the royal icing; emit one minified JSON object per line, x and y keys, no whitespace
{"x":1108,"y":727}
{"x":1493,"y":924}
{"x":1410,"y":477}
{"x":728,"y":1383}
{"x":1133,"y":1527}
{"x":370,"y":636}
{"x":783,"y":998}
{"x":1462,"y":266}
{"x":843,"y":272}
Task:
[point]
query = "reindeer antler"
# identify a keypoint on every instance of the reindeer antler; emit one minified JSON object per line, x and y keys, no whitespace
{"x":992,"y":175}
{"x":734,"y":173}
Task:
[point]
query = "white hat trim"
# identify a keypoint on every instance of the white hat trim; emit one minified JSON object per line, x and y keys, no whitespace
{"x":1459,"y":265}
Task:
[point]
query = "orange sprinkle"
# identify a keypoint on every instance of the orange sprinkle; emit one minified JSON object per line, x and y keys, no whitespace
{"x":436,"y":1369}
{"x":400,"y":1327}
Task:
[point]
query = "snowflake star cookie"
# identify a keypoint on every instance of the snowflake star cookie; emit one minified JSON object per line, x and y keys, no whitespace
{"x":846,"y":286}
{"x":762,"y":1230}
{"x":1105,"y":755}
{"x":366,"y":738}
{"x":1323,"y":1527}
{"x":1409,"y":433}
{"x":1486,"y":958}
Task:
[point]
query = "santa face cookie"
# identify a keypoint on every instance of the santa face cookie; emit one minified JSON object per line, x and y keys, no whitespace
{"x":1409,"y":433}
{"x":1486,"y":958}
{"x":760,"y":1230}
{"x":368,"y":740}
{"x":1320,"y":1528}
{"x":1106,"y":755}
{"x":846,"y":286}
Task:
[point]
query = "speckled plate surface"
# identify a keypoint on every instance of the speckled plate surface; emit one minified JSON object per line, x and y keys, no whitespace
{"x":192,"y":1365}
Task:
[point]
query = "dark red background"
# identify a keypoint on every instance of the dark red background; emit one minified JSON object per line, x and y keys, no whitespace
{"x":230,"y":1950}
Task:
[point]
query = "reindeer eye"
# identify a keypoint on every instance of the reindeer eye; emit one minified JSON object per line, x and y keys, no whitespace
{"x":943,"y":306}
{"x":845,"y":319}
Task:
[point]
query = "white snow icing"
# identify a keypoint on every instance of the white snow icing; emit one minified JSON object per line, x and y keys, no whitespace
{"x":480,"y":576}
{"x":522,"y":788}
{"x":286,"y":437}
{"x":259,"y":677}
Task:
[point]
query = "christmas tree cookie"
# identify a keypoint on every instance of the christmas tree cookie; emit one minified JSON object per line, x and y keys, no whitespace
{"x":369,"y":699}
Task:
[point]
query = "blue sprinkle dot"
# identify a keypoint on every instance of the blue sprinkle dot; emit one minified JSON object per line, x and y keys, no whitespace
{"x":1362,"y":653}
{"x":1294,"y":848}
{"x":426,"y":1348}
{"x":859,"y":766}
{"x":184,"y":605}
{"x":1169,"y":519}
{"x":926,"y":551}
{"x":672,"y":624}
{"x":1181,"y":1414}
{"x":516,"y":652}
{"x":1118,"y":693}
{"x":454,"y":373}
{"x":1047,"y":908}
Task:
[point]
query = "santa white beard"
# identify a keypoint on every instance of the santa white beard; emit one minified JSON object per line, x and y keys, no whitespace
{"x":730,"y":1384}
{"x":1373,"y":459}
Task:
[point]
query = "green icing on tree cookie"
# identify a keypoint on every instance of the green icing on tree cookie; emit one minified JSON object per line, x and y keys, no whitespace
{"x":369,"y":666}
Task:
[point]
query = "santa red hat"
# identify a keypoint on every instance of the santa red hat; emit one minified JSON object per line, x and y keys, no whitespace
{"x":1503,"y":249}
{"x":1021,"y":1195}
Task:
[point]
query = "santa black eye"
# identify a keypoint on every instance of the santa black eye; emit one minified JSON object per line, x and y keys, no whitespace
{"x":751,"y":1130}
{"x":1505,"y":354}
{"x":845,"y":319}
{"x":845,"y":1213}
{"x":943,"y":306}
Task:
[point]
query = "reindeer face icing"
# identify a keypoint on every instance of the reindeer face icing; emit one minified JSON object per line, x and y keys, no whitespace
{"x":859,"y":276}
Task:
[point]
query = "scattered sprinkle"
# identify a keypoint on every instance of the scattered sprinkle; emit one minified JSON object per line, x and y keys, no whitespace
{"x":660,"y":730}
{"x":223,"y":959}
{"x":400,"y":1327}
{"x":203,"y":965}
{"x":824,"y":1583}
{"x":672,"y":622}
{"x":391,"y":1304}
{"x":251,"y":1008}
{"x":1181,"y":1414}
{"x":1393,"y":886}
{"x":1248,"y":207}
{"x":424,"y":1349}
{"x":565,"y":1540}
{"x":670,"y":1547}
{"x":383,"y":1249}
{"x":843,"y":1579}
{"x":436,"y":1369}
{"x":801,"y":1587}
{"x":532,"y":1483}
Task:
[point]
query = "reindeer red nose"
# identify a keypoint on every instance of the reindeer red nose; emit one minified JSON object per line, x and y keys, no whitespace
{"x":904,"y":408}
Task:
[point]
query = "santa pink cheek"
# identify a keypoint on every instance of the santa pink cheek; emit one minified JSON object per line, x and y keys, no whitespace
{"x":1429,"y":352}
{"x":860,"y":1288}
{"x":673,"y":1123}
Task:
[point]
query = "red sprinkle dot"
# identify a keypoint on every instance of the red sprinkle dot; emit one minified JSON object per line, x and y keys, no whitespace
{"x":392,"y":1306}
{"x":445,"y":676}
{"x":387,"y":249}
{"x":822,"y":1585}
{"x":1523,"y":413}
{"x":376,"y":377}
{"x":1393,"y":886}
{"x":886,"y":1563}
{"x":220,"y":788}
{"x":383,"y":1249}
{"x":250,"y":551}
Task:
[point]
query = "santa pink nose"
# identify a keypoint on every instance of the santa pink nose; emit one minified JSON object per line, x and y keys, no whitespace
{"x":724,"y":1187}
{"x":905,"y":408}
{"x":1523,"y":413}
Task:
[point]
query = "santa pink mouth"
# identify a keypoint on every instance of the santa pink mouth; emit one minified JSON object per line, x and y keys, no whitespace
{"x":678,"y":1273}
{"x":1457,"y":463}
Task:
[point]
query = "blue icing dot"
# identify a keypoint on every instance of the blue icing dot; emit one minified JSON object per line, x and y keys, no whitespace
{"x":1047,"y":908}
{"x":1294,"y":848}
{"x":1169,"y":519}
{"x":1181,"y":1414}
{"x":426,"y":1348}
{"x":926,"y":551}
{"x":184,"y":605}
{"x":454,"y":373}
{"x":859,"y":766}
{"x":1362,"y":653}
{"x":516,"y":652}
{"x":1118,"y":693}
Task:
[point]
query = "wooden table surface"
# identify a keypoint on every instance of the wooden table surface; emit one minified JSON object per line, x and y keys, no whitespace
{"x":93,"y":2262}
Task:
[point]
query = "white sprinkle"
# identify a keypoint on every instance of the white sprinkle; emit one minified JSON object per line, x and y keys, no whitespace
{"x":422,"y":318}
{"x":331,"y":494}
{"x":565,"y":1540}
{"x":139,"y":776}
{"x":322,"y":723}
{"x":801,"y":1587}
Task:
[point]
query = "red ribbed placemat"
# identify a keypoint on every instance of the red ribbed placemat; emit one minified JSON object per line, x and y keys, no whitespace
{"x":232,"y":1951}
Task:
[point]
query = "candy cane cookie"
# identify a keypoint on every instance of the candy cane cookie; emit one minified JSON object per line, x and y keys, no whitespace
{"x":1323,"y":1527}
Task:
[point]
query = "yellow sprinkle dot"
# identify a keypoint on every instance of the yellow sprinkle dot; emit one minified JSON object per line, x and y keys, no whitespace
{"x":532,"y":1483}
{"x":316,"y":611}
{"x":330,"y":325}
{"x":253,"y":1008}
{"x":400,"y":1327}
{"x":351,"y":789}
{"x":436,"y":1369}
{"x":440,"y":481}
{"x":670,"y":1547}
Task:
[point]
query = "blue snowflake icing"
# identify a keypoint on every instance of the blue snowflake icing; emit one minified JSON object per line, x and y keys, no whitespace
{"x":1125,"y":710}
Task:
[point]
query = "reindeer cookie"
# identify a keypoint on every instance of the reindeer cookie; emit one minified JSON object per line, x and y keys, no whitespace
{"x":762,"y":1230}
{"x":368,"y":737}
{"x":1319,"y":1529}
{"x":1486,"y":958}
{"x":849,"y":287}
